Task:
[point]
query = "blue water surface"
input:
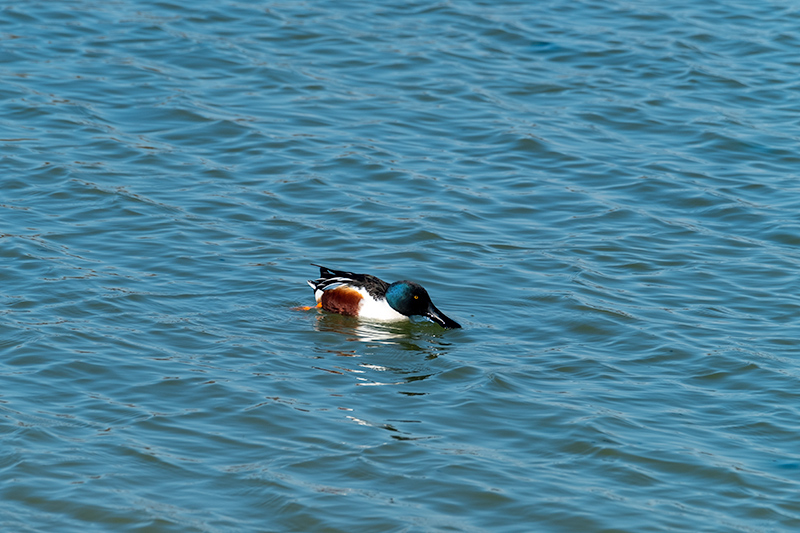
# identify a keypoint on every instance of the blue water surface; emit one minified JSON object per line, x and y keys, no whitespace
{"x":604,"y":194}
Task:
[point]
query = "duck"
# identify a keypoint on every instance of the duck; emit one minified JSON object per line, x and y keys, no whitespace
{"x":367,"y":296}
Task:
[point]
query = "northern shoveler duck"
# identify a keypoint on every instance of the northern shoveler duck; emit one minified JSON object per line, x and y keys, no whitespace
{"x":366,"y":296}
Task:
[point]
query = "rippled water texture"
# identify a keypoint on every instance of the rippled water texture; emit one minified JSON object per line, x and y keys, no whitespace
{"x":604,"y":193}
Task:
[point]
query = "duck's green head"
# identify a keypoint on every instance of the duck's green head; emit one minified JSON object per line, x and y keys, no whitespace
{"x":409,"y":298}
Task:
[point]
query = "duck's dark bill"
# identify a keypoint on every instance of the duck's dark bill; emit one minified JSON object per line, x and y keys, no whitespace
{"x":439,"y":317}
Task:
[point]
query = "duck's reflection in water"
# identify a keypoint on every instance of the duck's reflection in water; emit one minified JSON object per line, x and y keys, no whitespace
{"x":388,"y":353}
{"x":407,"y":334}
{"x":400,"y":354}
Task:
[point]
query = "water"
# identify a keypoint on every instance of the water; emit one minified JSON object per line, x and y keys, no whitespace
{"x":604,"y":194}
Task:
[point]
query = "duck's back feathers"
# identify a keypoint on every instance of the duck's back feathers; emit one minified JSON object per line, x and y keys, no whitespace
{"x":375,"y":287}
